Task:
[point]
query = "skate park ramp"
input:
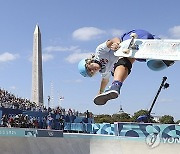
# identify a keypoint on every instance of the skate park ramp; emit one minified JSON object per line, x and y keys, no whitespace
{"x":81,"y":144}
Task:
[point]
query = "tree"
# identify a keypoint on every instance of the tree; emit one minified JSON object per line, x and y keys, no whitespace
{"x":139,"y":113}
{"x":166,"y":119}
{"x":123,"y":117}
{"x":104,"y":118}
{"x":178,"y":122}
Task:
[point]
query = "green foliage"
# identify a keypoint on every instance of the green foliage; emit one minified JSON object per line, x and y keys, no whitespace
{"x":139,"y":113}
{"x":166,"y":119}
{"x":123,"y":117}
{"x":178,"y":122}
{"x":104,"y":118}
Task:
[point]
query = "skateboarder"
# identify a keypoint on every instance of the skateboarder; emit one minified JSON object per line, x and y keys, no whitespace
{"x":106,"y":63}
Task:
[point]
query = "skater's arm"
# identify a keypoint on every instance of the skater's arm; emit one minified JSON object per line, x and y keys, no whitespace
{"x":103,"y":85}
{"x":105,"y":47}
{"x":113,"y":44}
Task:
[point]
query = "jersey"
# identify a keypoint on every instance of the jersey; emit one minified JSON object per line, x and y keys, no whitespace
{"x":106,"y":56}
{"x":107,"y":59}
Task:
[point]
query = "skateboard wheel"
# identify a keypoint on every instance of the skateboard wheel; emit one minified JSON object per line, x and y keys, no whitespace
{"x":126,"y":51}
{"x":134,"y":35}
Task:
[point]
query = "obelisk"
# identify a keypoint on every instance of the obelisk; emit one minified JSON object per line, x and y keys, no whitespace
{"x":37,"y":77}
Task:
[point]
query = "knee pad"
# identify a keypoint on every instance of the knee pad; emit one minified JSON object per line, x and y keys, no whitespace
{"x":125,"y":62}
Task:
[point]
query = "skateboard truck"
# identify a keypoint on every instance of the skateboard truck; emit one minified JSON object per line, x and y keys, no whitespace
{"x":131,"y":44}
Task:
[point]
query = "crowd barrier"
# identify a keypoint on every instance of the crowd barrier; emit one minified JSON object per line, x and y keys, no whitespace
{"x":145,"y":129}
{"x":124,"y":129}
{"x":96,"y":128}
{"x":117,"y":129}
{"x":24,"y":132}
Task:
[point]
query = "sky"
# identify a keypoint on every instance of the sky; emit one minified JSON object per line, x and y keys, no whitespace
{"x":71,"y":30}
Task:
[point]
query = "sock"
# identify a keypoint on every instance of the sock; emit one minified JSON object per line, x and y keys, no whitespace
{"x":116,"y":82}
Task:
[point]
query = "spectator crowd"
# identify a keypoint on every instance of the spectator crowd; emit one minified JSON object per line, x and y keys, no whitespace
{"x":25,"y":121}
{"x":49,"y":119}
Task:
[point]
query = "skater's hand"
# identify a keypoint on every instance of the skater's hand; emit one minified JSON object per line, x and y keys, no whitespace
{"x":115,"y":46}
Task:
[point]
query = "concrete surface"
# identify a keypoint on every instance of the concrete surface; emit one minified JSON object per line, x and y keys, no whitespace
{"x":82,"y":144}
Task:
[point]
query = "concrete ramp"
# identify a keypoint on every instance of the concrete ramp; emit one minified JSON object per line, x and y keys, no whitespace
{"x":30,"y":145}
{"x":104,"y":144}
{"x":82,"y":144}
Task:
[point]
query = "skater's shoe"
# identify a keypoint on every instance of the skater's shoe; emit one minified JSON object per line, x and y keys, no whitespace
{"x":112,"y":93}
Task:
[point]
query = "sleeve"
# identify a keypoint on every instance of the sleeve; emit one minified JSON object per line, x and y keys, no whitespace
{"x":102,"y":48}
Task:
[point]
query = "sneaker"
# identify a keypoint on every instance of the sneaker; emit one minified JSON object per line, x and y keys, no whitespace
{"x":109,"y":94}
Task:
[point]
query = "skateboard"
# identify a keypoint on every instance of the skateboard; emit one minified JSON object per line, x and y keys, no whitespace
{"x":160,"y":49}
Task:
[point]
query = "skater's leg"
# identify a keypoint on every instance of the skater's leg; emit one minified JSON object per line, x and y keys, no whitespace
{"x":122,"y":70}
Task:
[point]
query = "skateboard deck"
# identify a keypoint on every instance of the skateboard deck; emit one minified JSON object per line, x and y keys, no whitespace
{"x":160,"y":49}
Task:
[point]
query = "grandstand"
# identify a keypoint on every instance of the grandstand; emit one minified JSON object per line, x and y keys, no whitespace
{"x":22,"y":113}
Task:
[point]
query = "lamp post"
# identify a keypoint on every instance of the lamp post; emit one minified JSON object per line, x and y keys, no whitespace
{"x":163,"y":85}
{"x":146,"y":118}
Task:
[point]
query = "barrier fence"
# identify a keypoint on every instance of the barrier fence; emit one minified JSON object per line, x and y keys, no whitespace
{"x":116,"y":129}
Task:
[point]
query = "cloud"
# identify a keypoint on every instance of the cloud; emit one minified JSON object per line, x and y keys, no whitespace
{"x":47,"y":57}
{"x":77,"y":56}
{"x":87,"y":33}
{"x":48,"y":50}
{"x":175,"y":32}
{"x":59,"y":48}
{"x":5,"y":57}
